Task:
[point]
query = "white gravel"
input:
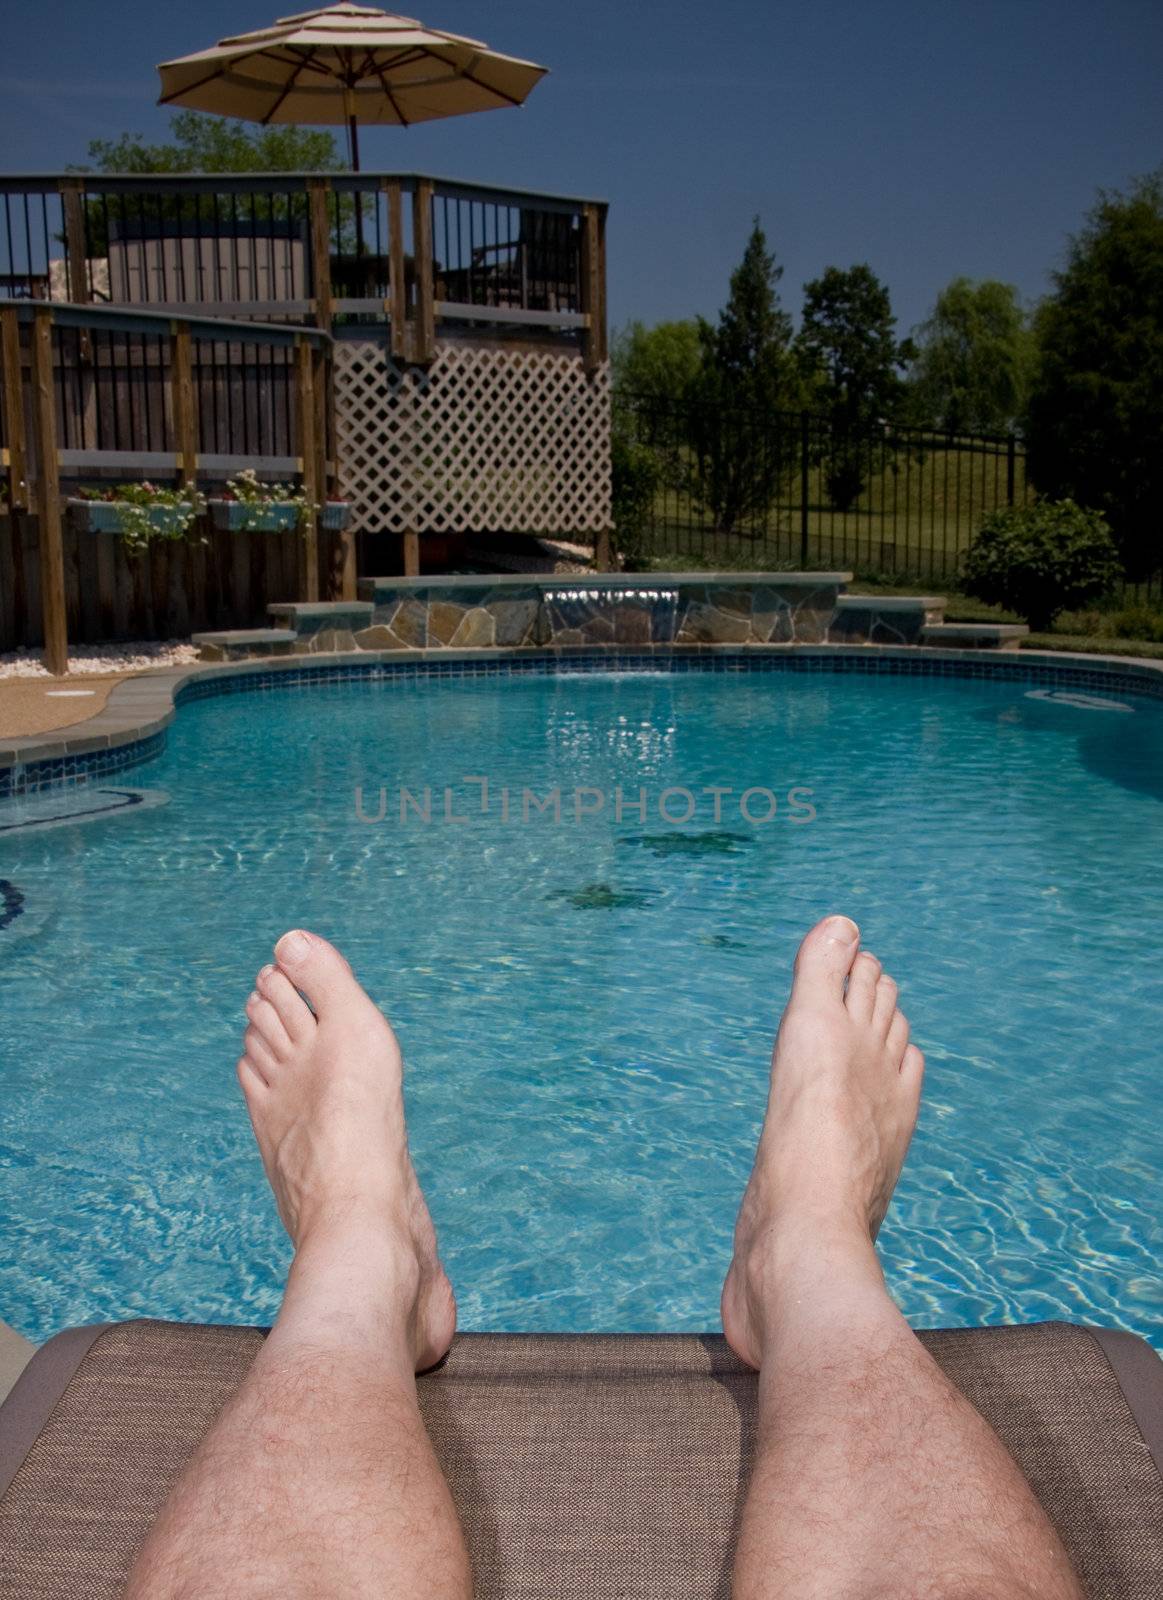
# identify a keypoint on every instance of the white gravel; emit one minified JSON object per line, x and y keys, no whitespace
{"x":103,"y":658}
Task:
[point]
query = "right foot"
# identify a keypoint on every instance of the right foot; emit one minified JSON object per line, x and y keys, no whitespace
{"x":845,"y":1089}
{"x":323,"y":1085}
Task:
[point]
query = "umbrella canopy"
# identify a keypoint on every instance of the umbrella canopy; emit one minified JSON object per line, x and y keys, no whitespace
{"x":345,"y":65}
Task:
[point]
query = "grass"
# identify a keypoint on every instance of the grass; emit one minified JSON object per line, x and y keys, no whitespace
{"x":1115,"y":629}
{"x":1087,"y":644}
{"x":917,"y":514}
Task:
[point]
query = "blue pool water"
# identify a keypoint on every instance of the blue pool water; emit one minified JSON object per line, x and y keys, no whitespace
{"x":586,"y":1006}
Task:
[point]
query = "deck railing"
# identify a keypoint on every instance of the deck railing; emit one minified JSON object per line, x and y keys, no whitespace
{"x":91,"y":392}
{"x":419,"y":254}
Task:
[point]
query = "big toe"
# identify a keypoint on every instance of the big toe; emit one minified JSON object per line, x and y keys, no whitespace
{"x":825,"y":959}
{"x":316,"y":968}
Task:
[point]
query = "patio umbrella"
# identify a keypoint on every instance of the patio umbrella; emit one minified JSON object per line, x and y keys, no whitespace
{"x":347,"y":64}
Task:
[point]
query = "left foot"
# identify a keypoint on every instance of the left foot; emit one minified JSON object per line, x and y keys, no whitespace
{"x":323,"y":1085}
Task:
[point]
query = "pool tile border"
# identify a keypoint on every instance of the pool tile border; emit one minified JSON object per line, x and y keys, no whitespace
{"x":131,"y":727}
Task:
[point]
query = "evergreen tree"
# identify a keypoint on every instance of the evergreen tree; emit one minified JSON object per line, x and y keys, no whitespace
{"x":747,"y":376}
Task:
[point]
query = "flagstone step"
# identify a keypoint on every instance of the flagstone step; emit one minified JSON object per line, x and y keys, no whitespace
{"x":244,"y":644}
{"x":975,"y":635}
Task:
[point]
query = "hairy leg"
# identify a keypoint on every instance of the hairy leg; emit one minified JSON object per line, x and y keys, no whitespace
{"x":873,"y":1477}
{"x":318,"y":1479}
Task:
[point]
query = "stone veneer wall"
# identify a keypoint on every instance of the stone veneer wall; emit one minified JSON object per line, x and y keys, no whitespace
{"x":467,"y":613}
{"x":505,"y":612}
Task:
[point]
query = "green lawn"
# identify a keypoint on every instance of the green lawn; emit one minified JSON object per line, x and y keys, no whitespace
{"x":916,"y":517}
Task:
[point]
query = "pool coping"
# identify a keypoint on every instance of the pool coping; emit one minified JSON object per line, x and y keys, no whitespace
{"x":140,"y":708}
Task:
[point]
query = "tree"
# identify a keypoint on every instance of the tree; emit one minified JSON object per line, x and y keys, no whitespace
{"x":219,"y":144}
{"x":971,"y":373}
{"x":659,"y":363}
{"x":634,"y":477}
{"x":747,"y":374}
{"x":1095,"y":421}
{"x":850,"y":356}
{"x":655,"y":372}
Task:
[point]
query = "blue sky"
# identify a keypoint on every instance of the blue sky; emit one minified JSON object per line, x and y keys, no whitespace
{"x":928,"y":139}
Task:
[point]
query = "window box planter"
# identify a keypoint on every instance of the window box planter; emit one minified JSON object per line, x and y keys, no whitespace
{"x":248,"y":516}
{"x":105,"y":516}
{"x":335,"y":516}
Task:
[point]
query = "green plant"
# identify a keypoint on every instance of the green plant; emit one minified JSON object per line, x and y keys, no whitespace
{"x":1038,"y":560}
{"x":971,"y":372}
{"x":850,"y":355}
{"x":247,"y":490}
{"x":1097,"y":394}
{"x":635,"y":475}
{"x":146,"y":512}
{"x":746,"y":373}
{"x":1133,"y":622}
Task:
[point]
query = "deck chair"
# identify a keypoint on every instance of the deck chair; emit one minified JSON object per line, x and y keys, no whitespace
{"x":593,"y":1467}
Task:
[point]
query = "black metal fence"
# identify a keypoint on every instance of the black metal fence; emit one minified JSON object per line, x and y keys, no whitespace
{"x":791,"y":489}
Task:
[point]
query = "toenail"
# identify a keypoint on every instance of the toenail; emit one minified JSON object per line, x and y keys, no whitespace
{"x":293,"y":947}
{"x":254,"y":998}
{"x":841,"y":930}
{"x":266,"y":971}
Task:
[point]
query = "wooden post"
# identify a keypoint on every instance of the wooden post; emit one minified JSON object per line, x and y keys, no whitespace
{"x":591,"y":294}
{"x":318,"y":190}
{"x":411,"y":553}
{"x":182,"y":403}
{"x":397,"y":288}
{"x":48,"y":496}
{"x":342,"y":563}
{"x":603,"y":319}
{"x":321,"y":370}
{"x":305,"y":412}
{"x":425,"y":342}
{"x":72,"y":192}
{"x":17,"y":447}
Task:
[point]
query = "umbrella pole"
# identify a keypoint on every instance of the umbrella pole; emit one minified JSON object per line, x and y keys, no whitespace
{"x":353,"y":136}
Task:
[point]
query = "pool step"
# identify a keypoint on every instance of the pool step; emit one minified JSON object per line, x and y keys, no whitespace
{"x":326,"y":625}
{"x":975,"y":635}
{"x":244,"y":644}
{"x":884,"y":618}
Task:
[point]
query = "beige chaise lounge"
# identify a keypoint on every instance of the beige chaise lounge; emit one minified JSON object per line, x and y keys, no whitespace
{"x":586,"y":1467}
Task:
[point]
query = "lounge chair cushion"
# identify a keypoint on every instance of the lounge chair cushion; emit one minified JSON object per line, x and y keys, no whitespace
{"x":587,"y":1466}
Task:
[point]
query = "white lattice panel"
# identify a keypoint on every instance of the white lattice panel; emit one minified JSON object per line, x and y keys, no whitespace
{"x":483,"y":440}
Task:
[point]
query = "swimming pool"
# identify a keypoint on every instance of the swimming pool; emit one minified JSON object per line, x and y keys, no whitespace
{"x":587,"y":1004}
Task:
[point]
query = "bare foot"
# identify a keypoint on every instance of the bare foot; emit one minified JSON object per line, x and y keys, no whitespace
{"x":323,"y":1085}
{"x":845,"y":1089}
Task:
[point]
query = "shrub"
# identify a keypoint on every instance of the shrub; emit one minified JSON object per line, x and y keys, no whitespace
{"x":1038,"y":560}
{"x":1135,"y":622}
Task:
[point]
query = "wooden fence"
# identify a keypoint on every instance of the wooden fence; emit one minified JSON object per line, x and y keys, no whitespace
{"x":90,"y":393}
